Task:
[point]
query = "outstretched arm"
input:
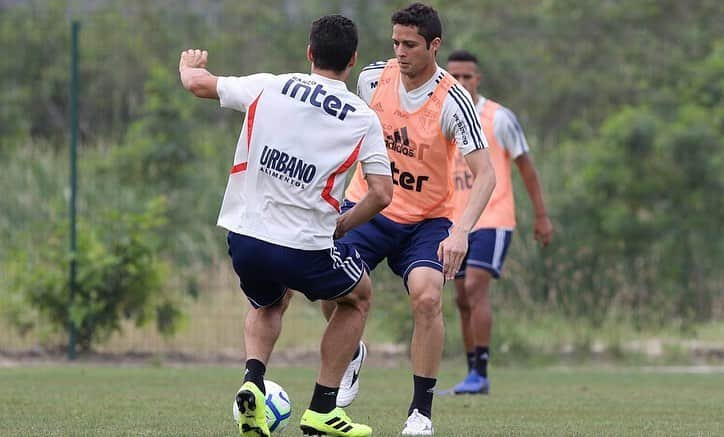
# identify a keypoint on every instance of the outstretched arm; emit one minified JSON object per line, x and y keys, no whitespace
{"x":543,"y":228}
{"x":194,"y":76}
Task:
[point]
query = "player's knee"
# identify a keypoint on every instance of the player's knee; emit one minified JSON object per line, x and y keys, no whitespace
{"x":360,"y":298}
{"x":476,"y":289}
{"x":461,"y":300}
{"x":427,"y":305}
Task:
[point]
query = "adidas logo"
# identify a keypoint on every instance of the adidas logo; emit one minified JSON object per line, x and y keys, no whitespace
{"x":339,"y":424}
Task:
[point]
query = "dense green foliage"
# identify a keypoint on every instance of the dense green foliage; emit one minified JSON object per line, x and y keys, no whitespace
{"x":120,"y":276}
{"x":111,"y":401}
{"x":621,"y":102}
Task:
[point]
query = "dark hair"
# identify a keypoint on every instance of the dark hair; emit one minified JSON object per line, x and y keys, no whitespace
{"x":333,"y":41}
{"x":462,"y":56}
{"x":424,"y":17}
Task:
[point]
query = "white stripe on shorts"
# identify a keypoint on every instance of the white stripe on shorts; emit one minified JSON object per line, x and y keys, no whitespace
{"x":347,"y":265}
{"x":498,"y":250}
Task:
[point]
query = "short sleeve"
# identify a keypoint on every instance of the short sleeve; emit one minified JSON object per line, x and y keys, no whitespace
{"x":238,"y":92}
{"x":461,"y":122}
{"x":373,"y":152}
{"x":509,"y":133}
{"x":367,"y":80}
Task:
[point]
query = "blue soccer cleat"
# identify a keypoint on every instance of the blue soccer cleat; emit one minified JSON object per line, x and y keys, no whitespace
{"x":473,"y":384}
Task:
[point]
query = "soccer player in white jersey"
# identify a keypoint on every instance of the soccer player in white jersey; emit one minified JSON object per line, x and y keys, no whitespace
{"x":488,"y":243}
{"x":426,"y":117}
{"x":301,"y":135}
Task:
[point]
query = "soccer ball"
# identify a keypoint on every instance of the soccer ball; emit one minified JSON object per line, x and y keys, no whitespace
{"x":278,"y":407}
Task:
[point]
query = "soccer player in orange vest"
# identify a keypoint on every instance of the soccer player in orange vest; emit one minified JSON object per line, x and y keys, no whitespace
{"x":488,"y":243}
{"x":427,"y":119}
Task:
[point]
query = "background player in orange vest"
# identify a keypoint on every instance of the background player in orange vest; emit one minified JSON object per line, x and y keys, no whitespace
{"x":427,"y":118}
{"x":488,"y":243}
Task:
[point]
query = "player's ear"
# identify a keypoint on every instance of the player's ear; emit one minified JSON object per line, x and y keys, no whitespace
{"x":309,"y":54}
{"x":352,"y":60}
{"x":435,"y":44}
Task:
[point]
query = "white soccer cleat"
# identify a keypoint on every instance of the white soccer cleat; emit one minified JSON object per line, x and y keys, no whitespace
{"x":349,"y":386}
{"x":418,"y":424}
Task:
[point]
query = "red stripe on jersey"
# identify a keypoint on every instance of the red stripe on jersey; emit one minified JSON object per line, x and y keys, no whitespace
{"x":239,"y":167}
{"x":249,"y":127}
{"x":250,"y":120}
{"x":326,"y":193}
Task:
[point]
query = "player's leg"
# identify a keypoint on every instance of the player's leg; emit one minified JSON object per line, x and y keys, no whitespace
{"x":425,"y":287}
{"x":372,"y":241}
{"x":479,"y":324}
{"x":344,"y":281}
{"x":344,"y":331}
{"x":328,"y":308}
{"x":486,"y":254}
{"x":262,"y":327}
{"x":349,"y":386}
{"x":421,"y":271}
{"x":339,"y":342}
{"x":261,"y":331}
{"x":463,"y":306}
{"x":250,"y":258}
{"x":477,"y":287}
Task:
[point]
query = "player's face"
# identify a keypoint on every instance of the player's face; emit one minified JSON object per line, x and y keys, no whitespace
{"x":411,"y":50}
{"x":466,"y":72}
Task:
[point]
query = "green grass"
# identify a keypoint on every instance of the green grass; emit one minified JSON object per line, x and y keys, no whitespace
{"x":82,"y":400}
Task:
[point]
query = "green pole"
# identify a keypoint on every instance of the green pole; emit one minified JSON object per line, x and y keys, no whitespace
{"x":75,"y":29}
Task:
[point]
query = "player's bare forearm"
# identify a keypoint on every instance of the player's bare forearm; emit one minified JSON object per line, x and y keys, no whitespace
{"x":452,"y":249}
{"x":379,"y":195}
{"x":542,"y":228}
{"x":194,"y":76}
{"x":529,"y":174}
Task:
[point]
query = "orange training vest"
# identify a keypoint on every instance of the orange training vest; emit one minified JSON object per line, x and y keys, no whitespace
{"x":420,"y":156}
{"x":500,"y":211}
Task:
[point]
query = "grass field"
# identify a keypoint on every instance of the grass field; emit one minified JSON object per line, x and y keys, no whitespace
{"x":99,"y":401}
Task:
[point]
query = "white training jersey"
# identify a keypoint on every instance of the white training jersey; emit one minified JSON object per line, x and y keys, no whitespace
{"x":459,"y":120}
{"x":301,"y":135}
{"x":507,"y":130}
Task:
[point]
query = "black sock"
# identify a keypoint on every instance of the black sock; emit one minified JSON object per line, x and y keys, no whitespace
{"x":422,"y":397}
{"x":481,"y":360}
{"x":471,"y":361}
{"x":324,"y":399}
{"x":254,"y":372}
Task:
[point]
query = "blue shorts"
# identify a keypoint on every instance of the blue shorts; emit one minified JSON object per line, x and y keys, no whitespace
{"x":267,"y":270}
{"x":405,"y":246}
{"x":486,"y":250}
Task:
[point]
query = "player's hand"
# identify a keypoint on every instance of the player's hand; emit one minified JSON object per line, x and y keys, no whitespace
{"x":193,"y":58}
{"x":452,"y":250}
{"x":342,"y":227}
{"x":543,"y":230}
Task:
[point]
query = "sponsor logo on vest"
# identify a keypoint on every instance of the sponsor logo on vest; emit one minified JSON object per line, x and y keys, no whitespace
{"x":286,"y":168}
{"x":407,"y":180}
{"x":373,"y":84}
{"x":399,"y":142}
{"x":331,"y":104}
